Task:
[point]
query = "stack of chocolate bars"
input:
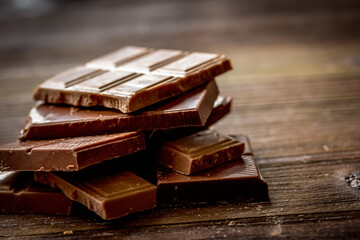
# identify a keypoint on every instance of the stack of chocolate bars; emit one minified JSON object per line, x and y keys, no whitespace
{"x":127,"y":132}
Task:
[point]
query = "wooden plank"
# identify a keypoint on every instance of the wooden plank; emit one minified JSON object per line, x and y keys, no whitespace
{"x":297,"y":226}
{"x":290,"y":116}
{"x":296,"y":188}
{"x":292,"y":89}
{"x":287,"y":59}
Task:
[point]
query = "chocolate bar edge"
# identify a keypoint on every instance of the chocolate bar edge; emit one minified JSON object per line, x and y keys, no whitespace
{"x":197,"y":117}
{"x":200,"y":163}
{"x":69,"y":159}
{"x":90,"y":157}
{"x":168,"y":195}
{"x":102,"y":208}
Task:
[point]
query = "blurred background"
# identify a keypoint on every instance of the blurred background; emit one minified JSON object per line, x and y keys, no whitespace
{"x":270,"y":43}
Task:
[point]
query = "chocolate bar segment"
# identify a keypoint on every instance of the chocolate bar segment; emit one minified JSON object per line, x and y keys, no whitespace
{"x":132,"y":78}
{"x":110,"y":193}
{"x":199,"y":151}
{"x":112,"y":60}
{"x":20,"y":194}
{"x":222,"y":107}
{"x":244,"y":139}
{"x":70,"y":154}
{"x":236,"y":180}
{"x":154,"y":60}
{"x":192,"y":63}
{"x":190,"y":109}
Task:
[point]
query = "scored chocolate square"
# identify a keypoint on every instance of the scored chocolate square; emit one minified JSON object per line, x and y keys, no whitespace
{"x":69,"y":154}
{"x":189,"y":109}
{"x":132,"y":78}
{"x":109,"y":192}
{"x":199,"y":151}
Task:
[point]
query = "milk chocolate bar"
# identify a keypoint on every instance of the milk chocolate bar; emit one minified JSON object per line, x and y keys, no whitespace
{"x":20,"y":194}
{"x":239,"y":179}
{"x":109,"y":192}
{"x":199,"y":151}
{"x":69,"y":154}
{"x":190,"y":109}
{"x":132,"y":78}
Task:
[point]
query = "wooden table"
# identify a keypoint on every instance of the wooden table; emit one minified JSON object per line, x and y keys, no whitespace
{"x":296,"y":91}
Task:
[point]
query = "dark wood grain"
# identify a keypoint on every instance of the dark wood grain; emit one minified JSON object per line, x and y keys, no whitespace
{"x":299,"y":186}
{"x":296,"y":91}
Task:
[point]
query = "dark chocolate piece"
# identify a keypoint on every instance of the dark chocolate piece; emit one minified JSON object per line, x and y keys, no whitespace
{"x":199,"y":151}
{"x":109,"y":192}
{"x":132,"y":78}
{"x":20,"y":194}
{"x":190,"y":109}
{"x":69,"y":154}
{"x":238,"y":179}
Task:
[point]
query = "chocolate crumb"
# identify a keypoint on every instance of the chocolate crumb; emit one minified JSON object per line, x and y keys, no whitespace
{"x":231,"y":223}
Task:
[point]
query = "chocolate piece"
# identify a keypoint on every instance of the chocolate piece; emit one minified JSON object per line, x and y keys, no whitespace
{"x":222,"y":106}
{"x":238,"y":179}
{"x":20,"y":194}
{"x":199,"y":151}
{"x":132,"y":78}
{"x":235,"y":180}
{"x":244,"y":139}
{"x":190,"y":109}
{"x":109,"y":192}
{"x":139,"y":163}
{"x":70,"y":154}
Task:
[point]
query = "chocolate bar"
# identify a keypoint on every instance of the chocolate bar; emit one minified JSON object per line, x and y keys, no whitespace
{"x":20,"y":194}
{"x":69,"y":154}
{"x":236,"y":180}
{"x":199,"y":151}
{"x":190,"y":109}
{"x":132,"y":78}
{"x":109,"y":192}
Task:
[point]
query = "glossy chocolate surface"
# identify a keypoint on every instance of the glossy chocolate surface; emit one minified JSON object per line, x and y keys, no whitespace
{"x":222,"y":107}
{"x":111,"y":192}
{"x":237,"y":179}
{"x":69,"y":154}
{"x":132,"y":78}
{"x":190,"y":109}
{"x":20,"y":194}
{"x":199,"y":151}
